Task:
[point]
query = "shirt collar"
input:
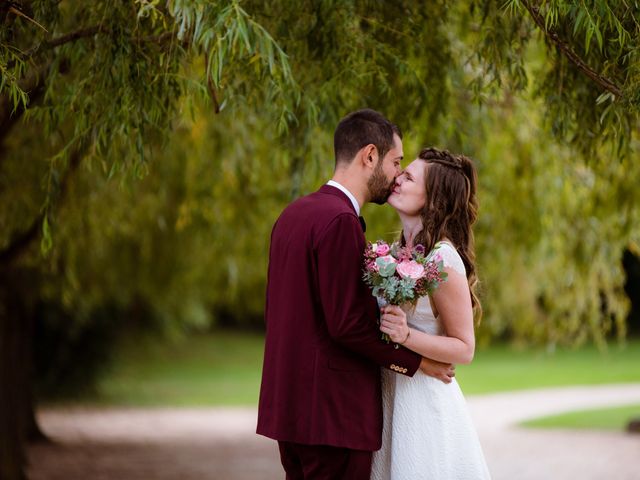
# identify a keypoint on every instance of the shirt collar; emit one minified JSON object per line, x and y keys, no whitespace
{"x":355,"y":203}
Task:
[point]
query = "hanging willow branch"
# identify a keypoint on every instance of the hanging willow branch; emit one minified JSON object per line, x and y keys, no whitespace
{"x":210,"y":86}
{"x":569,"y":53}
{"x":21,"y":242}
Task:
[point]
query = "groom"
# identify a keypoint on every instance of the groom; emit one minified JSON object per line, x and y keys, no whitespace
{"x":321,"y":393}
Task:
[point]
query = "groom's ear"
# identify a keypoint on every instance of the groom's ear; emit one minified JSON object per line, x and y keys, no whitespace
{"x":369,"y":155}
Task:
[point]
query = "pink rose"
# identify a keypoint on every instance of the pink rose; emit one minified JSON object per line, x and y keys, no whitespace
{"x":382,"y":250}
{"x":410,"y":269}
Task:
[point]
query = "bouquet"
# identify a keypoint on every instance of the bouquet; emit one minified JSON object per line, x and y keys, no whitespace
{"x":399,"y":275}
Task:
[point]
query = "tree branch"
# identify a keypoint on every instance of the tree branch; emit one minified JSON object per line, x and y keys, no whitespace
{"x":570,"y":54}
{"x":69,"y":37}
{"x":90,"y":32}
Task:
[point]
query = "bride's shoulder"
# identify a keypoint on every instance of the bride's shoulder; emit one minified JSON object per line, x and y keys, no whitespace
{"x":449,"y":255}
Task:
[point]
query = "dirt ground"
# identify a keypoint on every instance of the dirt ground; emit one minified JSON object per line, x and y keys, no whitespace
{"x":218,"y":443}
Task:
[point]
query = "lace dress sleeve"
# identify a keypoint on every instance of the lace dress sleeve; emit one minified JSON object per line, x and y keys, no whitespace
{"x":450,"y":257}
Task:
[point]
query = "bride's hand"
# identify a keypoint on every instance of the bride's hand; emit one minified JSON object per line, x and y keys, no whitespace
{"x":394,"y":323}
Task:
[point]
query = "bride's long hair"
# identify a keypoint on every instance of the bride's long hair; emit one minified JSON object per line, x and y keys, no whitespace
{"x":450,"y":210}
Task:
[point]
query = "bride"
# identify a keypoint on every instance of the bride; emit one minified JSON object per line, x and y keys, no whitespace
{"x":427,"y":432}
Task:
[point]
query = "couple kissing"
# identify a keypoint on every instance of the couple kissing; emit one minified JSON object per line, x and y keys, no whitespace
{"x":342,"y":403}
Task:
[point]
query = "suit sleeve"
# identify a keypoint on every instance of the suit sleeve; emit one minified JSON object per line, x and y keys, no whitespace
{"x":347,"y":304}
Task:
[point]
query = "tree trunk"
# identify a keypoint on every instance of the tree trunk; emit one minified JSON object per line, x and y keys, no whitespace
{"x":17,"y":413}
{"x":18,"y":423}
{"x":12,"y":382}
{"x":34,"y":433}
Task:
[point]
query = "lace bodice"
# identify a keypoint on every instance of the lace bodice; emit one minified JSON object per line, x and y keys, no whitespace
{"x":421,"y":317}
{"x":450,"y":256}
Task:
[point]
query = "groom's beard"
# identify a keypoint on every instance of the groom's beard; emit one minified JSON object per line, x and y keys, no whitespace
{"x":379,"y":187}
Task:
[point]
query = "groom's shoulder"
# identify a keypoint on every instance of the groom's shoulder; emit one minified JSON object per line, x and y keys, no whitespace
{"x":308,"y":218}
{"x":314,"y":212}
{"x":322,"y":204}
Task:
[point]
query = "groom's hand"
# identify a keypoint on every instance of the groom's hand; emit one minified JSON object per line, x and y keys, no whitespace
{"x":442,"y":371}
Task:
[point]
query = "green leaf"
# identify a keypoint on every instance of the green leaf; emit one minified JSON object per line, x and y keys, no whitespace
{"x":603,"y":97}
{"x":386,"y":269}
{"x":46,"y":243}
{"x":599,"y":38}
{"x":588,"y":40}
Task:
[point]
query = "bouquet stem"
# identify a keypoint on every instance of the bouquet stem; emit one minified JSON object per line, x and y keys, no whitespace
{"x":386,"y":338}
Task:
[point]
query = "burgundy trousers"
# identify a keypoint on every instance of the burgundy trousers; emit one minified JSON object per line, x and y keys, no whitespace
{"x":322,"y":462}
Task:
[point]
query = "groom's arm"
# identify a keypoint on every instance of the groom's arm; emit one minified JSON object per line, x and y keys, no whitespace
{"x":349,"y":309}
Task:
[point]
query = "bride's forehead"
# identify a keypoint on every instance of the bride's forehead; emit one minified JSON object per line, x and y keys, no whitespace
{"x":416,"y":168}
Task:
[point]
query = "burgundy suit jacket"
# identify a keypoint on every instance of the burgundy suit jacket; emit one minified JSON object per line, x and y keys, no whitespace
{"x":323,"y":352}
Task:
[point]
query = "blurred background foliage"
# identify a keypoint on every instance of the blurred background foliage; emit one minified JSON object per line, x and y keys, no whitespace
{"x":173,"y":172}
{"x":147,"y":147}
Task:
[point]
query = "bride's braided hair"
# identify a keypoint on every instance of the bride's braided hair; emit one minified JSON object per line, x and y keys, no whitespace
{"x":451,"y":209}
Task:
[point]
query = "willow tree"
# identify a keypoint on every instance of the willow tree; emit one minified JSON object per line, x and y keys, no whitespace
{"x":580,"y":63}
{"x":89,"y":88}
{"x":99,"y":81}
{"x":249,"y":92}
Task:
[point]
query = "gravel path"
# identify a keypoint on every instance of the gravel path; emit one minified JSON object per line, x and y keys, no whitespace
{"x":203,"y":444}
{"x":527,"y":454}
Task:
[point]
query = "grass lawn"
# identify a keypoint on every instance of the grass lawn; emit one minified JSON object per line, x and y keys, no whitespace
{"x":501,"y":368}
{"x":217,"y":369}
{"x":224,"y":369}
{"x":615,"y":418}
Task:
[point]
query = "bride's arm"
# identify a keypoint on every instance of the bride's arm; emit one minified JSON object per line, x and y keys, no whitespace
{"x":453,"y":302}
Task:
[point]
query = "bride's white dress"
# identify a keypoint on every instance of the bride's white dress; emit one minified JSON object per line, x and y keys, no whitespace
{"x":427,"y":431}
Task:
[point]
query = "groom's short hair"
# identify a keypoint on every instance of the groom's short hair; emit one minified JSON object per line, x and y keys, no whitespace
{"x":360,"y":128}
